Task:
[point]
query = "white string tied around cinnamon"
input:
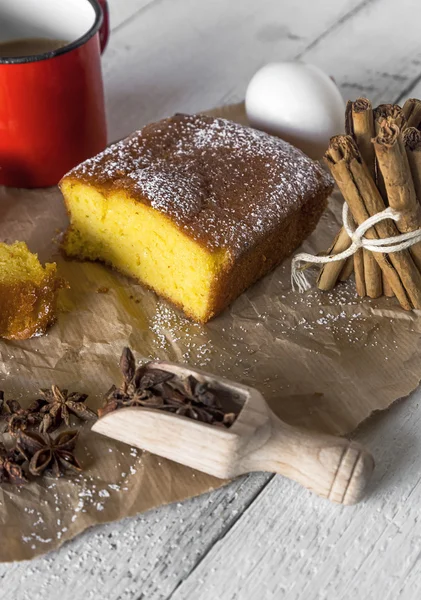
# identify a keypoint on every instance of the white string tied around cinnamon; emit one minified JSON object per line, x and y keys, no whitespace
{"x":383,"y":245}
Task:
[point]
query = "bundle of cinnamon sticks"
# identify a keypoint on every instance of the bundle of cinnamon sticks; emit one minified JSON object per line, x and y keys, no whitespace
{"x":375,"y":165}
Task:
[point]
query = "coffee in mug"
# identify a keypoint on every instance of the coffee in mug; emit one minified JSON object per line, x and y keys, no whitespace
{"x":29,"y":47}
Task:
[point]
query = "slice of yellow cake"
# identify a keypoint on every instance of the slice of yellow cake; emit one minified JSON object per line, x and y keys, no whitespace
{"x":196,"y":208}
{"x":28,"y":292}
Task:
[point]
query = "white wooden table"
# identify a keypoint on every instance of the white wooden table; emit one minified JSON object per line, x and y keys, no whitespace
{"x":262,"y":537}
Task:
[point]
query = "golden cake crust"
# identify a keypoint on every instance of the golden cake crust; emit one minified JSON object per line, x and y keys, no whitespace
{"x":267,"y":254}
{"x":225,"y":185}
{"x":28,"y":308}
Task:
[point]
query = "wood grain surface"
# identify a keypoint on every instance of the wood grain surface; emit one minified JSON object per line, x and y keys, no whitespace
{"x":262,"y":536}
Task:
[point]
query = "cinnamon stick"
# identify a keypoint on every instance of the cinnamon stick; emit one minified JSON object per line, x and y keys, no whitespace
{"x":392,"y":114}
{"x":372,"y":275}
{"x":387,"y":288}
{"x":412,"y":143}
{"x":360,"y":124}
{"x":358,"y":121}
{"x":347,"y":269}
{"x":394,"y":166}
{"x":361,"y":127}
{"x":364,"y":200}
{"x":412,"y":112}
{"x":330,"y":272}
{"x":359,"y":272}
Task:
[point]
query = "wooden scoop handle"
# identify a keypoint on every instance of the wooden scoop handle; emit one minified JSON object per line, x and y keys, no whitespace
{"x":330,"y":466}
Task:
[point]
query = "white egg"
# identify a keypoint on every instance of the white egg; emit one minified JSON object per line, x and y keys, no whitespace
{"x":297,"y":102}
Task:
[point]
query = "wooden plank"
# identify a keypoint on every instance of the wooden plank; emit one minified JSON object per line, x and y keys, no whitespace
{"x":123,"y":10}
{"x":413,"y":90}
{"x":145,"y":557}
{"x":292,"y":545}
{"x":368,"y":55}
{"x":179,"y":57}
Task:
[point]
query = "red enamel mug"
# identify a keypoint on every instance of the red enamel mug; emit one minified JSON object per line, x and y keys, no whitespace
{"x":52,"y":114}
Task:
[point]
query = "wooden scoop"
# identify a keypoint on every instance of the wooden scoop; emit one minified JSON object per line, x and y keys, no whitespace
{"x":258,"y":440}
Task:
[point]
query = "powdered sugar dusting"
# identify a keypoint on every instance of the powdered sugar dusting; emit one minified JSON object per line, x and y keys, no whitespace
{"x":224,"y":184}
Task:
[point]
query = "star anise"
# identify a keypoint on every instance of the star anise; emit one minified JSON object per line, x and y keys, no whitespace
{"x":127,"y":367}
{"x":194,"y":399}
{"x":19,"y":418}
{"x":45,"y":453}
{"x":58,"y":405}
{"x":186,"y":408}
{"x":116,"y":398}
{"x":11,"y":466}
{"x":154,"y":388}
{"x":137,"y":388}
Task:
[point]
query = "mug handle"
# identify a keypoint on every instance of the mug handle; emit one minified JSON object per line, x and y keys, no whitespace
{"x":104,"y":32}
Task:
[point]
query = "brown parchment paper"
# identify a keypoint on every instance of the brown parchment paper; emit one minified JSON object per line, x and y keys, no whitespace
{"x":325,"y":361}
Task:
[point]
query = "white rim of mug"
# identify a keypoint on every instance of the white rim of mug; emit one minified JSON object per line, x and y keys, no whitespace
{"x":64,"y":49}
